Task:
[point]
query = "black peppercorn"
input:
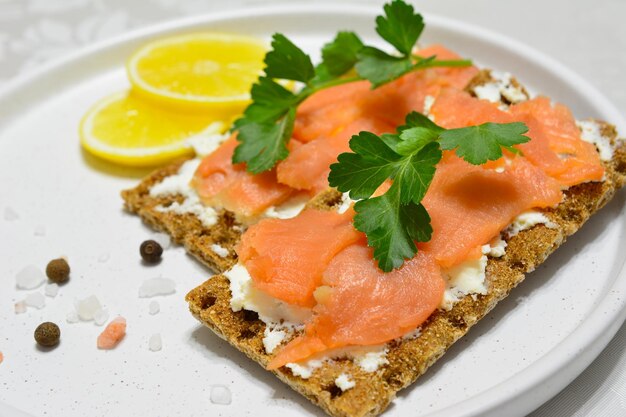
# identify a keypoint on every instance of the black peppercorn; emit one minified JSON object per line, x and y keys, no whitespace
{"x":151,"y":251}
{"x":58,"y":270}
{"x":47,"y":334}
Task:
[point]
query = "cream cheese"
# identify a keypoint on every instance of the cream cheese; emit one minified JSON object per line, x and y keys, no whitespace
{"x":219,"y":250}
{"x":305,"y":370}
{"x":273,"y":337}
{"x":500,"y":88}
{"x":590,"y":132}
{"x":346,"y":202}
{"x":209,"y":139}
{"x":466,"y":278}
{"x":179,"y":184}
{"x":527,"y":220}
{"x":344,"y":383}
{"x":271,"y":310}
{"x":428,"y":105}
{"x":290,"y":208}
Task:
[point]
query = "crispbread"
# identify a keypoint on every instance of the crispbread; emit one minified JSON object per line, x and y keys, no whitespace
{"x":408,"y":359}
{"x":185,"y":229}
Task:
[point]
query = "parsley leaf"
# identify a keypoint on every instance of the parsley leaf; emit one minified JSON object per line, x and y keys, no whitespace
{"x":400,"y":26}
{"x":395,"y":220}
{"x":287,"y":61}
{"x":268,"y":119}
{"x":392,"y":227}
{"x":378,"y":67}
{"x":270,"y":102}
{"x":340,"y":55}
{"x":479,"y":144}
{"x":262,"y":144}
{"x":365,"y":169}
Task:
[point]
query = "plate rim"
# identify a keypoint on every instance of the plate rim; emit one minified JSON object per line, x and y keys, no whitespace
{"x":545,"y":377}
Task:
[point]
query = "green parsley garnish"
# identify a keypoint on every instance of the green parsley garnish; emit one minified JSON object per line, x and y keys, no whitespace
{"x":395,"y":220}
{"x":267,"y":123}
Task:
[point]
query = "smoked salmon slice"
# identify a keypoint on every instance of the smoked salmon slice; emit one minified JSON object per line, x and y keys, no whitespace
{"x":219,"y":183}
{"x":556,"y":146}
{"x":286,"y":257}
{"x":469,"y":205}
{"x":308,"y":165}
{"x":361,"y":305}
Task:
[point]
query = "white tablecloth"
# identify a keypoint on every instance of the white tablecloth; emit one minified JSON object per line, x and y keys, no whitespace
{"x":588,"y":36}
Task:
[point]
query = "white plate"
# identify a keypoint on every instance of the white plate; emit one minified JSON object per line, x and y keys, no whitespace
{"x":529,"y":348}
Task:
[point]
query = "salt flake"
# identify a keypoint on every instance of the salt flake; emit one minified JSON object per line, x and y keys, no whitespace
{"x":157,"y":286}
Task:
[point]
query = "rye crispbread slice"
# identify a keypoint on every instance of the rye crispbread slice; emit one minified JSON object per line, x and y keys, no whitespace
{"x":408,"y":359}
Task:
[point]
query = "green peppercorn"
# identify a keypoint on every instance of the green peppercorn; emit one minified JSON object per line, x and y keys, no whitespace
{"x":151,"y":251}
{"x":47,"y":334}
{"x":58,"y":270}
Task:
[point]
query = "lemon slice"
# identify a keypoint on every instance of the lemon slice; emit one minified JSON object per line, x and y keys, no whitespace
{"x":129,"y":130}
{"x":198,"y":70}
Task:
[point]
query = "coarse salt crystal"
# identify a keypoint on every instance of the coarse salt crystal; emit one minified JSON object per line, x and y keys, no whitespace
{"x":100,"y":317}
{"x":29,"y":278}
{"x":51,"y":290}
{"x":20,"y":307}
{"x":36,"y":300}
{"x":157,"y":286}
{"x":72,"y":317}
{"x":155,"y":344}
{"x":154,"y":307}
{"x":10,"y":214}
{"x":88,"y":307}
{"x":220,"y":395}
{"x":162,"y":239}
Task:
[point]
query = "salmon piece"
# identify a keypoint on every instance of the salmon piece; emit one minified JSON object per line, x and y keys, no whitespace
{"x":329,"y":110}
{"x":361,"y":305}
{"x":112,"y":334}
{"x":455,"y":109}
{"x":556,"y":146}
{"x":219,"y":183}
{"x":308,"y":165}
{"x":286,"y":257}
{"x":1,"y":357}
{"x":469,"y":205}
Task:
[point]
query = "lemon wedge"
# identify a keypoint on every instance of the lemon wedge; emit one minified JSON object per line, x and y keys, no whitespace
{"x":129,"y":130}
{"x":202,"y":70}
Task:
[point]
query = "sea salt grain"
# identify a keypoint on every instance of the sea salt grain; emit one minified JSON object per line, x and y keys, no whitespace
{"x":154,"y":307}
{"x":162,"y":239}
{"x":157,"y":286}
{"x":40,"y":230}
{"x":88,"y":307}
{"x":51,"y":290}
{"x":10,"y":214}
{"x":72,"y":317}
{"x":100,"y":317}
{"x":155,"y":344}
{"x":220,"y":395}
{"x":36,"y":300}
{"x":29,"y":278}
{"x":20,"y":307}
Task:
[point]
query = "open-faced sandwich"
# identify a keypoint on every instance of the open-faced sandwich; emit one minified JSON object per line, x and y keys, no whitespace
{"x":362,"y":224}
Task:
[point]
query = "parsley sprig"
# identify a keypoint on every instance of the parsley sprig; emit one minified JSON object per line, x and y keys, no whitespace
{"x":267,"y":123}
{"x":395,"y":220}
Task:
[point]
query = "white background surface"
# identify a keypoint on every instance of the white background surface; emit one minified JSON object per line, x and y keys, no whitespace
{"x":589,"y":37}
